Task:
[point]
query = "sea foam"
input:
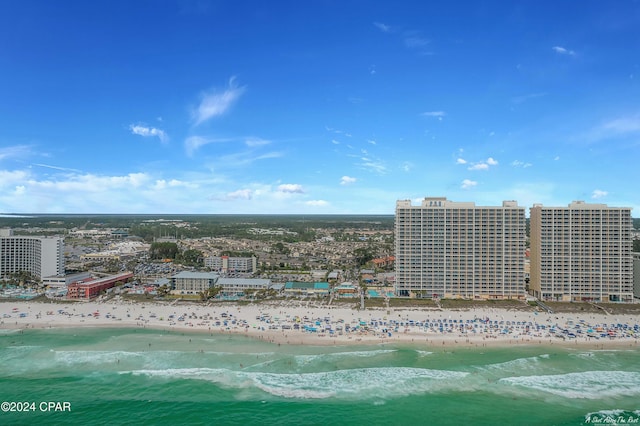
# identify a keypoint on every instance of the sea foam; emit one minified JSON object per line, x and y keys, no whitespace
{"x":362,"y":383}
{"x":333,"y":356}
{"x":516,"y":365}
{"x":584,"y":385}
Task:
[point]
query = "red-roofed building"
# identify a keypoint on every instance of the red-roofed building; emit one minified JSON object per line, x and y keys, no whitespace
{"x":384,"y":262}
{"x":90,"y":289}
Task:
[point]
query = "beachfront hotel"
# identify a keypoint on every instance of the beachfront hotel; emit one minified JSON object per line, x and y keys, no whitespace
{"x":459,"y":250}
{"x":188,"y":282}
{"x":581,"y":253}
{"x":40,"y":256}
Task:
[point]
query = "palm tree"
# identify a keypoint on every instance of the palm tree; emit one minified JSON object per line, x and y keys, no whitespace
{"x":213,"y":291}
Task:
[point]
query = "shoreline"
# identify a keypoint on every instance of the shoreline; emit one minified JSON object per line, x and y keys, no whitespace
{"x":298,"y":323}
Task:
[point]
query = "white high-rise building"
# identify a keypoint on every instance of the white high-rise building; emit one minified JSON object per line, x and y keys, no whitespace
{"x":41,"y":256}
{"x":226,"y":264}
{"x":581,"y":253}
{"x":457,"y":250}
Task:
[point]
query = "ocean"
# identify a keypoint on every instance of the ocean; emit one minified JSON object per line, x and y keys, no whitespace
{"x":141,"y":376}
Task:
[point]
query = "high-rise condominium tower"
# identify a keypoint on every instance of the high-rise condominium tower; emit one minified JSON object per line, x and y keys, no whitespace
{"x":41,"y":256}
{"x":455,"y":249}
{"x":581,"y":252}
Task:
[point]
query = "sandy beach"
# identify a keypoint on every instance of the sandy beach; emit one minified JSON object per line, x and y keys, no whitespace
{"x":294,"y":322}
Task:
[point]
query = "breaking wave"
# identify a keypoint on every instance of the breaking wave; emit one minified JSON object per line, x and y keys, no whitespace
{"x":363,"y":383}
{"x":585,"y":385}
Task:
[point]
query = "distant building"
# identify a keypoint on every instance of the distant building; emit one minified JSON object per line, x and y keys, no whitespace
{"x":459,"y":250}
{"x":120,"y":233}
{"x":40,"y":256}
{"x":581,"y":253}
{"x":187,"y":282}
{"x":118,"y":251}
{"x":636,"y":275}
{"x":89,"y":289}
{"x":227,"y":264}
{"x":319,"y":274}
{"x":294,"y":288}
{"x":384,"y":262}
{"x":346,"y":289}
{"x":237,"y":287}
{"x":103,"y":256}
{"x":62,"y":281}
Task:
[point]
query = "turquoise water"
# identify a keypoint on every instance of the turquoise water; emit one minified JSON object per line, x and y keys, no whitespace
{"x":127,"y":376}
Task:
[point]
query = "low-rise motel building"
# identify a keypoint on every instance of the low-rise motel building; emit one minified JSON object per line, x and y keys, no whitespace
{"x":191,"y":282}
{"x":188,"y":282}
{"x":91,"y":288}
{"x":295,"y":288}
{"x":238,"y":287}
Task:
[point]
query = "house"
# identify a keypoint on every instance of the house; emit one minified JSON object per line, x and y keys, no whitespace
{"x":384,"y":262}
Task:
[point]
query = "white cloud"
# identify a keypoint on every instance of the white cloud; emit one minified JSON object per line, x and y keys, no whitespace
{"x":406,"y":166}
{"x":61,"y":192}
{"x":10,"y":178}
{"x":373,"y":165}
{"x":483,"y":165}
{"x":372,"y":142}
{"x":162,"y":184}
{"x":16,"y":151}
{"x":518,"y":163}
{"x":468,"y":184}
{"x":146,"y":132}
{"x":64,"y":169}
{"x":253,"y":142}
{"x":292,"y":188}
{"x":479,"y":166}
{"x":335,"y":142}
{"x":240,"y":194}
{"x":317,"y":203}
{"x":436,"y":114}
{"x":193,"y":143}
{"x":623,"y":125}
{"x":556,"y":158}
{"x":215,"y":103}
{"x":346,"y":180}
{"x":382,"y":27}
{"x":75,"y":193}
{"x":599,"y":194}
{"x":461,"y":161}
{"x":619,"y":127}
{"x":93,"y":183}
{"x":563,"y":51}
{"x":245,"y":158}
{"x":414,"y":42}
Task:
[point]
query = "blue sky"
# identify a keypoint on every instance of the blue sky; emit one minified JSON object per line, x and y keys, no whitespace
{"x":316,"y":107}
